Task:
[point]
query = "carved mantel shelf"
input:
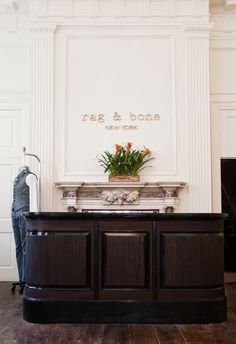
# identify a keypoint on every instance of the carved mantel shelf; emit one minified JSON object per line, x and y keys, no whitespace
{"x":135,"y":196}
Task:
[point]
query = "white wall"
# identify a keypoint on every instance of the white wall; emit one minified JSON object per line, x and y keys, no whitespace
{"x":61,"y":59}
{"x":152,"y":58}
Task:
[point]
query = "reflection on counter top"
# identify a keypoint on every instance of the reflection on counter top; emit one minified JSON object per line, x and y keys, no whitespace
{"x":109,"y":214}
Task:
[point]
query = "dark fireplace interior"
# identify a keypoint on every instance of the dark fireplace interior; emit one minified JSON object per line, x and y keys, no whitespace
{"x":228,"y":193}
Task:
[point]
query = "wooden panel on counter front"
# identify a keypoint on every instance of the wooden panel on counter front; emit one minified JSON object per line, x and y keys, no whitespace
{"x":192,"y":259}
{"x":125,"y":259}
{"x":60,"y":259}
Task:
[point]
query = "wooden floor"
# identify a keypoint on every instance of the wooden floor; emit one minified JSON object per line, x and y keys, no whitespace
{"x":14,"y":330}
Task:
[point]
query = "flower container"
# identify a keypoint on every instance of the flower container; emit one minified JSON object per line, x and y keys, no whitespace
{"x":123,"y":178}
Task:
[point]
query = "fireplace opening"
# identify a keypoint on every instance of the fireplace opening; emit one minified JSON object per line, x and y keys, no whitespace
{"x":228,"y":201}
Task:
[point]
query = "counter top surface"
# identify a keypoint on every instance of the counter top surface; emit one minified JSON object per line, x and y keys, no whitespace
{"x":116,"y":215}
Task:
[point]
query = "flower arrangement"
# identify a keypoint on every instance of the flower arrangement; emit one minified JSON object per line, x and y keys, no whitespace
{"x":125,"y":161}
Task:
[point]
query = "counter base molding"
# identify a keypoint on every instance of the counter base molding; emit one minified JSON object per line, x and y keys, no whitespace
{"x":124,"y":268}
{"x":124,"y":312}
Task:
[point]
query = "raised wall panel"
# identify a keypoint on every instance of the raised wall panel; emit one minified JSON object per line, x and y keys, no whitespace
{"x":228,"y":130}
{"x":192,"y":260}
{"x":6,"y":175}
{"x":132,"y":8}
{"x":13,"y":136}
{"x":8,"y":167}
{"x":116,"y":83}
{"x":106,"y":7}
{"x":14,"y":69}
{"x":6,"y":250}
{"x":231,"y":130}
{"x":55,"y":7}
{"x":223,"y":71}
{"x":13,"y":128}
{"x":80,"y":7}
{"x":6,"y":135}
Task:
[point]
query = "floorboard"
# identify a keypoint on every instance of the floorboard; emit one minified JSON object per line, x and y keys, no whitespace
{"x":14,"y":330}
{"x":115,"y":334}
{"x":169,"y":334}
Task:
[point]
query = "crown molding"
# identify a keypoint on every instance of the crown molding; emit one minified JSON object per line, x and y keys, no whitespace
{"x":43,"y":28}
{"x":198,"y":27}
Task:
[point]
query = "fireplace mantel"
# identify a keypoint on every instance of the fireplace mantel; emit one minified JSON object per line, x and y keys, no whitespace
{"x":120,"y":196}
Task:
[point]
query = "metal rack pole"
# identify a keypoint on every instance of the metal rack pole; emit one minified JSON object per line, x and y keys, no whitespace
{"x":39,"y":175}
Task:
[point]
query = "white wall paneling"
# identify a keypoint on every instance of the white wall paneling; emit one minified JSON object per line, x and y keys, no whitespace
{"x":13,"y":135}
{"x":62,"y":59}
{"x":121,"y":8}
{"x":228,"y":127}
{"x":14,"y":69}
{"x":41,"y":134}
{"x":8,"y":271}
{"x":117,"y":84}
{"x":14,"y":127}
{"x":223,"y":92}
{"x":223,"y":79}
{"x":198,"y":108}
{"x":68,"y":8}
{"x":223,"y":116}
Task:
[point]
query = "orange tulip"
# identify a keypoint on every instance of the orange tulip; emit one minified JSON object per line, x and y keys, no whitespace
{"x":146,"y":150}
{"x":118,"y":147}
{"x":128,"y":146}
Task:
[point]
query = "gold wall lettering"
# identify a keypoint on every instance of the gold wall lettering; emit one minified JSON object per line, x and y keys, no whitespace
{"x":93,"y":118}
{"x":144,"y":117}
{"x":121,"y":127}
{"x":117,"y":117}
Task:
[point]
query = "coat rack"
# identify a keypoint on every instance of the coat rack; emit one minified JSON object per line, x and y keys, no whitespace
{"x":39,"y":174}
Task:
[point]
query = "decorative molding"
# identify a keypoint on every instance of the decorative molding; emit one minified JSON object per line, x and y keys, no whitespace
{"x":220,"y":87}
{"x":11,"y":9}
{"x":42,"y":8}
{"x":16,"y":78}
{"x":18,"y":113}
{"x":172,"y":8}
{"x":198,"y":100}
{"x":68,"y":8}
{"x":119,"y":8}
{"x":199,"y":27}
{"x":120,"y":197}
{"x":156,"y":196}
{"x":43,"y":28}
{"x":94,"y":8}
{"x":62,"y":9}
{"x":145,"y":9}
{"x":41,"y":135}
{"x":13,"y":21}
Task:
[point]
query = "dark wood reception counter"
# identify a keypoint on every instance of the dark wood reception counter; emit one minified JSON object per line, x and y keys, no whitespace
{"x":124,"y":268}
